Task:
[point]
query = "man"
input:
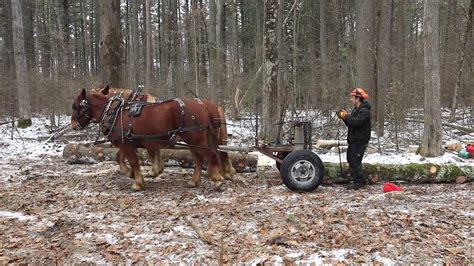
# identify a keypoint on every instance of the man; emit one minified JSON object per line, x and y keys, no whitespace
{"x":358,"y":136}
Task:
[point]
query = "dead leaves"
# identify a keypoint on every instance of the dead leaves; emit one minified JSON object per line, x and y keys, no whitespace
{"x":84,"y":210}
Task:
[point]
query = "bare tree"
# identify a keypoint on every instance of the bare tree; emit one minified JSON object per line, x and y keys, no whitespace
{"x":270,"y":89}
{"x":212,"y":48}
{"x":148,"y":54}
{"x":431,"y":145}
{"x":133,"y":46}
{"x":383,"y":62}
{"x":111,"y":44}
{"x":365,"y":49}
{"x":23,"y":87}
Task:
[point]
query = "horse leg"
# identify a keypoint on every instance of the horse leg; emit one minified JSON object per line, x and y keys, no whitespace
{"x":196,"y":179}
{"x":214,"y":167}
{"x":120,"y":158}
{"x":160,"y":164}
{"x":131,"y":154}
{"x":228,"y":169}
{"x":157,"y":165}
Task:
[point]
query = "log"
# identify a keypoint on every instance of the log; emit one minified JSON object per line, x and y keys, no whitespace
{"x":412,"y":173}
{"x":83,"y":153}
{"x":329,"y":143}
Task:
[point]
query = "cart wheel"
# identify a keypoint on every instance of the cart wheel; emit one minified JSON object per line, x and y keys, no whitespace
{"x":281,"y":155}
{"x":302,"y":171}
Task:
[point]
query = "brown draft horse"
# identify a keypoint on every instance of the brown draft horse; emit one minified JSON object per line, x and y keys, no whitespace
{"x":217,"y":113}
{"x":161,"y":121}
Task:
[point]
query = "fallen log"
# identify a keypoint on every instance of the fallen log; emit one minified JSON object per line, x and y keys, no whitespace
{"x":80,"y":153}
{"x":412,"y":173}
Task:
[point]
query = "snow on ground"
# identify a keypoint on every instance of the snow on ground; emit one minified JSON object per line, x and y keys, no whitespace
{"x":51,"y":211}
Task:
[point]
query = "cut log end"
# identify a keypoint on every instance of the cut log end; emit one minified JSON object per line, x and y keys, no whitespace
{"x":433,"y":170}
{"x":461,"y":179}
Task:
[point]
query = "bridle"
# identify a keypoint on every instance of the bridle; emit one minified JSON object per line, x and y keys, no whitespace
{"x":81,"y":112}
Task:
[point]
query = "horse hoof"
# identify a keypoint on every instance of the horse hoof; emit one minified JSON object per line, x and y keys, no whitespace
{"x":192,"y":184}
{"x":228,"y":177}
{"x":137,"y":187}
{"x":218,"y":184}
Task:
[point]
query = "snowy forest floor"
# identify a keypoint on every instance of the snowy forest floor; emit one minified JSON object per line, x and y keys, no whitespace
{"x":55,"y":212}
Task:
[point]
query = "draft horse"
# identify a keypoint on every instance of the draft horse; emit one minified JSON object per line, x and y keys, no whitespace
{"x":219,"y":122}
{"x":155,"y":128}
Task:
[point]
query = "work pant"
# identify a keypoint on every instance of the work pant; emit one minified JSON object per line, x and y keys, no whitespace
{"x":355,"y":152}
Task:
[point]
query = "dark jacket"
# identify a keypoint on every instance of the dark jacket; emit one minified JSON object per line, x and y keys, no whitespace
{"x":359,"y":124}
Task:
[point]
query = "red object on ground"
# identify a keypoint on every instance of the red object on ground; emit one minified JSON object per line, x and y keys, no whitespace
{"x":470,"y":149}
{"x":389,"y":187}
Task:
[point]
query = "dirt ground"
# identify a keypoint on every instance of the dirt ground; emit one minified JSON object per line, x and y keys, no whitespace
{"x":54,"y":212}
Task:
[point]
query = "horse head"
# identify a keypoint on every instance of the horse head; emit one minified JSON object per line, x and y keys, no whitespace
{"x":86,"y":108}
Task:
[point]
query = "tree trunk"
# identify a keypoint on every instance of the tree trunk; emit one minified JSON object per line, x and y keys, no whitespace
{"x":133,"y":46}
{"x":413,"y":173}
{"x":383,"y":62}
{"x":431,"y":145}
{"x":84,"y":66}
{"x":270,"y":90}
{"x":79,"y":153}
{"x":365,"y":49}
{"x":323,"y":43}
{"x":60,"y":37}
{"x":23,"y":87}
{"x":234,"y":58}
{"x":221,"y":51}
{"x":28,"y":14}
{"x":7,"y":49}
{"x":148,"y":54}
{"x":212,"y":48}
{"x":461,"y":63}
{"x":111,"y":44}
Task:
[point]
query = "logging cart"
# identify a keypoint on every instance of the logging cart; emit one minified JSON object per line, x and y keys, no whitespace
{"x":300,"y":168}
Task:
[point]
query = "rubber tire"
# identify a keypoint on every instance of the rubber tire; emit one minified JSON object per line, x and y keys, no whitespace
{"x":295,"y":157}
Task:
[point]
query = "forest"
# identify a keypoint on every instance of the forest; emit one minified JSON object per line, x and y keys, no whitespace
{"x":282,"y":56}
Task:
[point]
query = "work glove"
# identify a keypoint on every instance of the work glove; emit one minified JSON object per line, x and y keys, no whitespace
{"x":342,"y":114}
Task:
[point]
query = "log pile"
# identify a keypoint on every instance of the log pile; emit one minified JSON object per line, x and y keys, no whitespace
{"x":83,"y":153}
{"x":412,"y":173}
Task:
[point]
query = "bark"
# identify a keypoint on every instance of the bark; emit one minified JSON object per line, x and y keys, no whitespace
{"x":412,"y":173}
{"x":133,"y":46}
{"x":148,"y":54}
{"x":79,"y":153}
{"x":365,"y":49}
{"x":234,"y":58}
{"x":270,"y":90}
{"x":7,"y":48}
{"x":461,"y":63}
{"x":20,"y":65}
{"x":212,"y":50}
{"x":28,"y":14}
{"x":323,"y":43}
{"x":111,"y":44}
{"x":431,"y":145}
{"x":383,"y":63}
{"x":84,"y":66}
{"x":221,"y":51}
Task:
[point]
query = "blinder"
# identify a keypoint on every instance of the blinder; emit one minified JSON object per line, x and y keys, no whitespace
{"x":83,"y":111}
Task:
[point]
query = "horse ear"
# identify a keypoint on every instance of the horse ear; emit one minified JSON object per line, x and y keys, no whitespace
{"x":105,"y":90}
{"x":83,"y":94}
